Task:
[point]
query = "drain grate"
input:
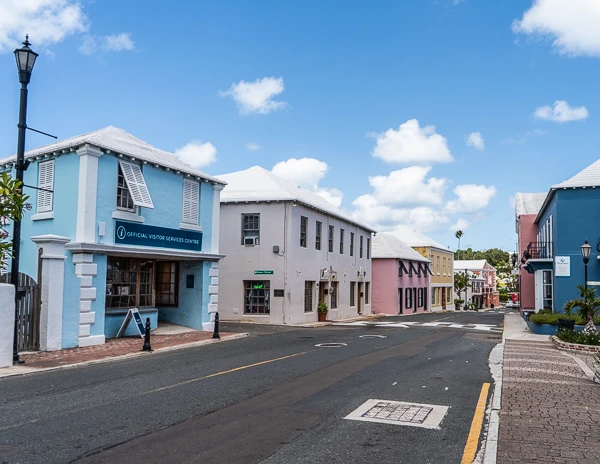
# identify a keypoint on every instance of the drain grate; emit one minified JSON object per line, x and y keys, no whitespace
{"x":427,"y":416}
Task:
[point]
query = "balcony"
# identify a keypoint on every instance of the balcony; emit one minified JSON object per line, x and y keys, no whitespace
{"x":539,"y":250}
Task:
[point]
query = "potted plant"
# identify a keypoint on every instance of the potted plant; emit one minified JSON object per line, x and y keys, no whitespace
{"x":457,"y":303}
{"x":587,"y":305}
{"x":322,"y":311}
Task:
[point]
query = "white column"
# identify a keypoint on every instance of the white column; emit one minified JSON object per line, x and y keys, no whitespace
{"x":7,"y":323}
{"x":86,"y":195}
{"x":216,"y":217}
{"x":52,"y":289}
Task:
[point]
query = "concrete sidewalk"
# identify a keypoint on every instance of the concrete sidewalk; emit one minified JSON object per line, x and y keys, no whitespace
{"x":113,"y":349}
{"x":550,"y":409}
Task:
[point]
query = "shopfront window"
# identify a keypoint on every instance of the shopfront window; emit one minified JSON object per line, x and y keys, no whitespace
{"x":167,"y":283}
{"x":129,"y":282}
{"x":257,"y":297}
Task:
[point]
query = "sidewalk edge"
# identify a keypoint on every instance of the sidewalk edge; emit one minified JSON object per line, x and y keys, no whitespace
{"x":125,"y":356}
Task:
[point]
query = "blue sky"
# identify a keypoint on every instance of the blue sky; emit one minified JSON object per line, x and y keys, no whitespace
{"x":345,"y":90}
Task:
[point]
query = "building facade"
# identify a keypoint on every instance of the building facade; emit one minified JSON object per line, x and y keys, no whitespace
{"x":527,"y":207}
{"x":567,"y":218}
{"x":287,"y":250}
{"x":400,"y":277}
{"x":442,"y":266}
{"x":118,"y":224}
{"x":482,"y":290}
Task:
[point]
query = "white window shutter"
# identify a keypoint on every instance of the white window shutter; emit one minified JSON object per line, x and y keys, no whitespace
{"x":45,"y":181}
{"x":136,"y":184}
{"x":191,"y":199}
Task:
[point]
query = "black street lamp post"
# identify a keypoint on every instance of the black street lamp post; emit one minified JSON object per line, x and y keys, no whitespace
{"x":25,"y":61}
{"x":586,"y":249}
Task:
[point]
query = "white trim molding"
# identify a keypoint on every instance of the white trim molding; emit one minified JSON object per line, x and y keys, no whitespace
{"x":86,"y":270}
{"x":127,"y":216}
{"x":43,"y":216}
{"x":216,"y":217}
{"x":87,"y":193}
{"x":185,"y":226}
{"x":142,"y":252}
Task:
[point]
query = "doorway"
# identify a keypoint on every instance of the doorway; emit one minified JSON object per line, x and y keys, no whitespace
{"x":444,"y":298}
{"x":400,"y":305}
{"x":361,"y":297}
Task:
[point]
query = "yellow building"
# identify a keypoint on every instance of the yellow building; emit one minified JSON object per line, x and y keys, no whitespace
{"x":441,"y":280}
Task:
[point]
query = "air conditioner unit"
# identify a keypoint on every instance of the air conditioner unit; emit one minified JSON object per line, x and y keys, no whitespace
{"x":324,"y":274}
{"x":334,"y":278}
{"x":251,"y":241}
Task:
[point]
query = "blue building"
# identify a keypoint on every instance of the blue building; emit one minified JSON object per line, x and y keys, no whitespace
{"x":567,"y":218}
{"x":117,"y":224}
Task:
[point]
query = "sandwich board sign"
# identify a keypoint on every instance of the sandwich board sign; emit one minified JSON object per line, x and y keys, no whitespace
{"x":134,"y":314}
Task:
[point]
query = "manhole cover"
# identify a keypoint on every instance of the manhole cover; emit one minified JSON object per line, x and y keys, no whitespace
{"x":331,"y":345}
{"x":427,"y":416}
{"x":372,"y":336}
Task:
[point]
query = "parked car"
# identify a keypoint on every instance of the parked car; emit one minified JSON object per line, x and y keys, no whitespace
{"x":512,"y":304}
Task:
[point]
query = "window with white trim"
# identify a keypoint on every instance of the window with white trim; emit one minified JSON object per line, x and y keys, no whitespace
{"x":191,"y":200}
{"x":45,"y":182}
{"x":131,"y":188}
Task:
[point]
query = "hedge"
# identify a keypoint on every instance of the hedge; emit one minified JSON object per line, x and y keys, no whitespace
{"x":552,"y":318}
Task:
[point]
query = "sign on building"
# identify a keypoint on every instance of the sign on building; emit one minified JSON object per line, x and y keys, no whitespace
{"x":563,"y":266}
{"x":128,"y":233}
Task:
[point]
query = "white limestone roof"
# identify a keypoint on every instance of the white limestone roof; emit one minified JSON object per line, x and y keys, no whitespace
{"x":259,"y":184}
{"x":529,"y":203}
{"x":388,"y":246}
{"x":589,"y":177}
{"x":119,"y":142}
{"x":463,"y":264}
{"x":416,"y":239}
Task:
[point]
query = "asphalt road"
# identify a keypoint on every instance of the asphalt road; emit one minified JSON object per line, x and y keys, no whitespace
{"x":272,"y":397}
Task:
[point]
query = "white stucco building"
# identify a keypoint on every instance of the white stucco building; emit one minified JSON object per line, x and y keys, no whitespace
{"x":286,"y":250}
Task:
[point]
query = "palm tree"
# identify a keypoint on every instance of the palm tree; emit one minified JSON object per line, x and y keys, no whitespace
{"x":588,"y":304}
{"x":459,"y":234}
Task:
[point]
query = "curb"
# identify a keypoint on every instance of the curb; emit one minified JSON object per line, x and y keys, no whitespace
{"x":489,"y":452}
{"x":25,"y":370}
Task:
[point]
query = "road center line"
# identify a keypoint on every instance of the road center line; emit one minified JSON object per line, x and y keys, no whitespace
{"x":229,"y":371}
{"x":449,"y":317}
{"x":473,"y":440}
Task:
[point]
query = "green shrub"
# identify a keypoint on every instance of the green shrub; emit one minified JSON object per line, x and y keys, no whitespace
{"x":552,"y":318}
{"x":570,"y":336}
{"x":503,"y":297}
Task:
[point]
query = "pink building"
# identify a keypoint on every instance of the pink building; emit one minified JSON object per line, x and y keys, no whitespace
{"x":527,"y":206}
{"x":400,"y":277}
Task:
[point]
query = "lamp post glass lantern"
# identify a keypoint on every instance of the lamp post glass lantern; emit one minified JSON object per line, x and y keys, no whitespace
{"x":586,"y":249}
{"x":25,"y":57}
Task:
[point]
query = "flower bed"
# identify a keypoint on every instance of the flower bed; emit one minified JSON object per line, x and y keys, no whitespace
{"x":574,"y":346}
{"x":548,"y":329}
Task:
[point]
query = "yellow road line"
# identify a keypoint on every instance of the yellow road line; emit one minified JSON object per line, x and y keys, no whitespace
{"x":473,"y":440}
{"x":229,"y":371}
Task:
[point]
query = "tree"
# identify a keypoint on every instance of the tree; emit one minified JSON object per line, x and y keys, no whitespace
{"x":12,"y":205}
{"x":461,"y":283}
{"x":588,"y":304}
{"x":459,"y":234}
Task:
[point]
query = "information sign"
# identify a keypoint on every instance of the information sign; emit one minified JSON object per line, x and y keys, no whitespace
{"x":134,"y":314}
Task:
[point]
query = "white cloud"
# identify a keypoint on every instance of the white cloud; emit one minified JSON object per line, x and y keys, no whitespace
{"x":110,"y":43}
{"x":561,"y":112}
{"x":257,"y":96}
{"x":197,"y":154}
{"x":470,"y":198}
{"x":253,"y":146}
{"x":47,"y":21}
{"x":408,"y":186}
{"x":460,"y":224}
{"x":383,"y":217}
{"x":572,"y":25}
{"x":475,"y":140}
{"x":333,"y":196}
{"x":411,"y":144}
{"x":307,"y":173}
